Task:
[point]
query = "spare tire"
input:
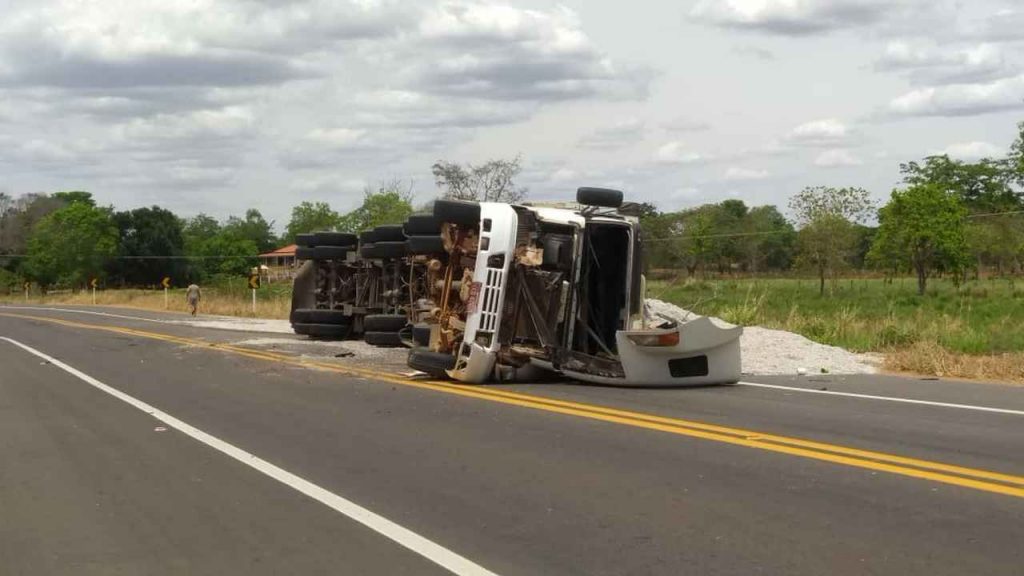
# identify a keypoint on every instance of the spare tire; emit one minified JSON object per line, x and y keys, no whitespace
{"x":379,"y":250}
{"x":457,"y":212}
{"x":605,"y":197}
{"x":367,"y":237}
{"x":300,"y":328}
{"x":422,"y":224}
{"x":421,"y":334}
{"x":331,"y":252}
{"x":304,"y":253}
{"x":388,"y":233}
{"x":425,"y":244}
{"x":433,"y":363}
{"x":336,"y":239}
{"x":384,"y":322}
{"x":383,"y":338}
{"x":305,"y":239}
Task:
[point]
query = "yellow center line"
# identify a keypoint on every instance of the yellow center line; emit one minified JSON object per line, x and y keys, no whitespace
{"x":1000,"y":483}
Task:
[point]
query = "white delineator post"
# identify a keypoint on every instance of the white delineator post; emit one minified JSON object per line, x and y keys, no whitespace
{"x":167,"y":301}
{"x":254,"y":301}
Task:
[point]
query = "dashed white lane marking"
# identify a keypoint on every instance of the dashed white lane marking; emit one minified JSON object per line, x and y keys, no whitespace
{"x":886,"y":398}
{"x":403,"y":536}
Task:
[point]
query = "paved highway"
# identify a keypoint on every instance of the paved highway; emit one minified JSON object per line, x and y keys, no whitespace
{"x":134,"y":446}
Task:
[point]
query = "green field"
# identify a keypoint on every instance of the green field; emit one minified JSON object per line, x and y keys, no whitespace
{"x":983,"y":317}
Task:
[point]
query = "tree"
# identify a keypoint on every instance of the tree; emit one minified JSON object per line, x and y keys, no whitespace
{"x":310,"y":217}
{"x":1015,"y":161}
{"x":922,"y":226}
{"x":21,"y":217}
{"x":983,"y":186}
{"x":72,"y":244}
{"x":145,"y":233}
{"x":74,"y":196}
{"x":255,"y":228}
{"x":390,"y":204}
{"x":493,"y":181}
{"x":827,"y":235}
{"x":769,"y":243}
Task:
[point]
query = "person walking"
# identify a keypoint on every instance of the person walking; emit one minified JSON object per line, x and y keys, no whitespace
{"x":192,"y":295}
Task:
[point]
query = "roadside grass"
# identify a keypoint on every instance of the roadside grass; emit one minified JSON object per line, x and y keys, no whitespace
{"x":972,"y":331}
{"x":222,"y":299}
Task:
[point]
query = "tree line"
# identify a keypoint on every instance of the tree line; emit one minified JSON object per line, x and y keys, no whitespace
{"x":65,"y":239}
{"x":950,"y":217}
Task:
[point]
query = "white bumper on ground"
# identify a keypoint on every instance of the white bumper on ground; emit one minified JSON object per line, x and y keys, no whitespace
{"x":706,"y":354}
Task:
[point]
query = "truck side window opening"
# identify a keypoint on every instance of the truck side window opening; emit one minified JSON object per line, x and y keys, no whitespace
{"x":605,"y":266}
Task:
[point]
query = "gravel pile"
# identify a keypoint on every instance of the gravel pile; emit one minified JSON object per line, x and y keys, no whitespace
{"x":767,"y":352}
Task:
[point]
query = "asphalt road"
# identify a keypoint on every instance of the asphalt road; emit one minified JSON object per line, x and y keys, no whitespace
{"x":551,"y":478}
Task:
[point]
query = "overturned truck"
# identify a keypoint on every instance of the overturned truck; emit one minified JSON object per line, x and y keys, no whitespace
{"x":497,"y":292}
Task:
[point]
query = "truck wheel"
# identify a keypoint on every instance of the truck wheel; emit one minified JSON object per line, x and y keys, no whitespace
{"x":388,"y":339}
{"x":433,"y":363}
{"x":304,"y":253}
{"x":336,"y":239}
{"x":422,"y":224}
{"x":379,"y":250}
{"x":302,"y":290}
{"x":300,"y":329}
{"x":425,"y":244}
{"x":388,"y":233}
{"x":331,"y":252}
{"x":324,"y":316}
{"x":305,"y":239}
{"x":457,"y":212}
{"x":605,"y":197}
{"x":384,"y":322}
{"x":333,"y":331}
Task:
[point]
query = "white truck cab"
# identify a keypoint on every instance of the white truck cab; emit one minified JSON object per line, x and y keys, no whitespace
{"x":561,"y":289}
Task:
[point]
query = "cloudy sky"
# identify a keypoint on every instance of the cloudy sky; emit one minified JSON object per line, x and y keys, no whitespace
{"x":219,"y":105}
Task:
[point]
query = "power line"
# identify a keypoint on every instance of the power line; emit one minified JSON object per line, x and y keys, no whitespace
{"x":148,"y":257}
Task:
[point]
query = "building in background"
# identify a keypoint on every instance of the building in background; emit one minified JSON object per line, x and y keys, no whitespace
{"x":279,"y":264}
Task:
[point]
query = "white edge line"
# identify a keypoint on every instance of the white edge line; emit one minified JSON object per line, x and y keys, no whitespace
{"x":886,"y":398}
{"x":403,"y":536}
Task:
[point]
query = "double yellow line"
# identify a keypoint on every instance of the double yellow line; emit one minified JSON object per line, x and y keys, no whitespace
{"x":1006,"y":484}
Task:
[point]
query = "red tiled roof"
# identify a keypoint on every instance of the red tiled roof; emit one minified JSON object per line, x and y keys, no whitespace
{"x":288,"y":250}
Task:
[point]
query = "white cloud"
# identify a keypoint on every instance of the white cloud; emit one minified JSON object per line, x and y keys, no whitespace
{"x":972,"y":150}
{"x":675,"y":153}
{"x":740,"y":174}
{"x":826,"y":132}
{"x":926,"y":62}
{"x":961,"y":99}
{"x":790,"y":17}
{"x":836,"y":158}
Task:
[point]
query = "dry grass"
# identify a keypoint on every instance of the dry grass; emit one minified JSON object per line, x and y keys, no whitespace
{"x":218,"y":302}
{"x":931,"y":359}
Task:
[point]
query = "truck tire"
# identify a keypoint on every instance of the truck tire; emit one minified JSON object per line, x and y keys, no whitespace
{"x":304,"y":253}
{"x":331,"y":252}
{"x":421,"y":335}
{"x":380,"y":250}
{"x":433,"y":363}
{"x":305,"y":239}
{"x":422,"y":224}
{"x":457,"y":212}
{"x":300,"y":329}
{"x":333,"y":331}
{"x":386,"y":339}
{"x":384,"y":322}
{"x":323,"y":316}
{"x":388,"y":233}
{"x":605,"y":197}
{"x":425,"y":244}
{"x":336,"y":239}
{"x":367,"y":237}
{"x":302,"y":290}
